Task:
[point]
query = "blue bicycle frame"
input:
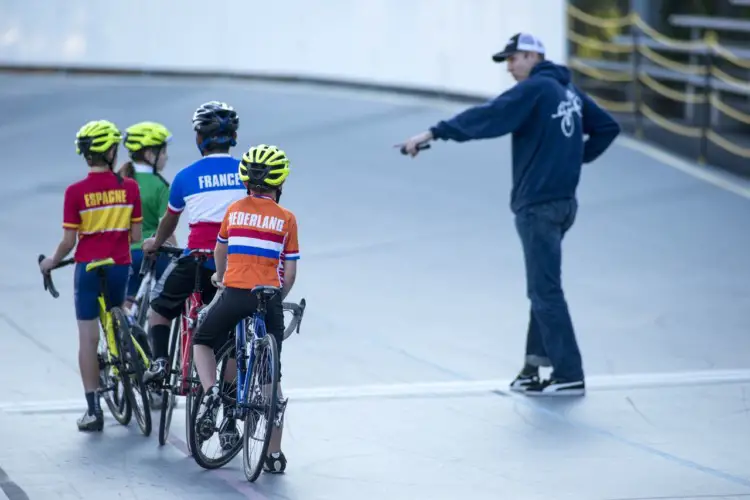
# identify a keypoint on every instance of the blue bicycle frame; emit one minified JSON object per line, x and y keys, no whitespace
{"x":244,"y":360}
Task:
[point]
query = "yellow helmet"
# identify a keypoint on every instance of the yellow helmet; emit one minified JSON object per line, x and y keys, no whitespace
{"x":264,"y":165}
{"x":146,"y":135}
{"x":97,"y":136}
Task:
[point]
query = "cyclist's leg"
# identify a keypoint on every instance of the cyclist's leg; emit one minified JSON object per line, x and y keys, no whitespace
{"x":275,"y":327}
{"x":209,"y":290}
{"x":87,"y":313}
{"x":228,"y":309}
{"x":170,"y":293}
{"x":118,"y":283}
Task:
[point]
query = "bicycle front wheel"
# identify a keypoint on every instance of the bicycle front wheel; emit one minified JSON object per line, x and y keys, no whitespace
{"x":261,"y":400}
{"x":134,"y":368}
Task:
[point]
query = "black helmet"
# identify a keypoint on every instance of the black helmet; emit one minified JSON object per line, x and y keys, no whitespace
{"x":216,"y":122}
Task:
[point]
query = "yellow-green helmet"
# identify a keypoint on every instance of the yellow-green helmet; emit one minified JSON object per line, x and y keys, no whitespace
{"x":96,"y":137}
{"x":146,"y":135}
{"x":264,"y":165}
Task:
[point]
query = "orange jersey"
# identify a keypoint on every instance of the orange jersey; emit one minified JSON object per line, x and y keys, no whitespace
{"x":261,"y":235}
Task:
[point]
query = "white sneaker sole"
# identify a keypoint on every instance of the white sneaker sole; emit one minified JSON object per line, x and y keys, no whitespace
{"x":556,"y":394}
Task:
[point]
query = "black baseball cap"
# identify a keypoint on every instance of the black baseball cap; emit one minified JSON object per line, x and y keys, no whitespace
{"x":520,"y":42}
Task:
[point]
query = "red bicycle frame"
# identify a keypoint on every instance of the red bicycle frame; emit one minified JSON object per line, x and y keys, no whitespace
{"x":188,"y":322}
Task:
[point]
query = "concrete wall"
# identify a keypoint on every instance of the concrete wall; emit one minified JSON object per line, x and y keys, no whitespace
{"x":442,"y":45}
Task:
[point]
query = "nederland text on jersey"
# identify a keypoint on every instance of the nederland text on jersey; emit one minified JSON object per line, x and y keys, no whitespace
{"x":105,"y":211}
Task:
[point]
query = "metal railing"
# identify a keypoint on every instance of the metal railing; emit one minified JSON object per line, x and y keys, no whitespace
{"x":705,"y":81}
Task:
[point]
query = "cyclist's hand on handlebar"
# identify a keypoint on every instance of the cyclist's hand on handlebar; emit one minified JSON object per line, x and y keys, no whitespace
{"x":46,"y":265}
{"x":216,"y":281}
{"x":149,"y":245}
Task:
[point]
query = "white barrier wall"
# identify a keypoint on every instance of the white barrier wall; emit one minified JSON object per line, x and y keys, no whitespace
{"x":435,"y":44}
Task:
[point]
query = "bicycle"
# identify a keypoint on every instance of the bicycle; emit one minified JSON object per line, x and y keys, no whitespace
{"x":140,"y":306}
{"x":249,"y":345}
{"x":182,"y":377}
{"x":142,"y":298}
{"x":121,"y":356}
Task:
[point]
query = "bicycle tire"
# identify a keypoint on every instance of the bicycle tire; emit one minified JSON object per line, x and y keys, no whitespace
{"x":253,"y":471}
{"x":119,"y":407}
{"x":135,"y":370}
{"x":192,"y":387}
{"x":168,"y":397}
{"x":200,"y":459}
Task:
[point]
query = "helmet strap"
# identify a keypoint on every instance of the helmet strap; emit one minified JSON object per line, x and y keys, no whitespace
{"x":156,"y":160}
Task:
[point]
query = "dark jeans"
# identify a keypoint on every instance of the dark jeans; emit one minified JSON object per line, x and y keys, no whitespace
{"x":551,"y":338}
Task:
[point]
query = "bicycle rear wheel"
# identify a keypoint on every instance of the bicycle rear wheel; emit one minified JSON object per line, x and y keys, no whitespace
{"x":229,"y":438}
{"x":261,"y":398}
{"x":114,"y":384}
{"x":134,"y":369}
{"x":168,"y":397}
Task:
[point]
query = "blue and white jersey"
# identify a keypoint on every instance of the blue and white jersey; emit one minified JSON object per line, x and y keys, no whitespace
{"x":206,"y":189}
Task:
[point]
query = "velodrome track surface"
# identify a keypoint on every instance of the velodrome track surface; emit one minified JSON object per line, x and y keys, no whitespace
{"x":416,"y":318}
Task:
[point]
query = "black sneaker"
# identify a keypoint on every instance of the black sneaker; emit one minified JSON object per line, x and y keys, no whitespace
{"x":557,"y":388}
{"x":91,"y":423}
{"x":275,"y":463}
{"x":523,"y":381}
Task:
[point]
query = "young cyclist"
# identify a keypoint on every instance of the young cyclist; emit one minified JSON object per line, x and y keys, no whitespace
{"x":257,"y":245}
{"x":205,"y":189}
{"x":146,"y":143}
{"x":103,"y":213}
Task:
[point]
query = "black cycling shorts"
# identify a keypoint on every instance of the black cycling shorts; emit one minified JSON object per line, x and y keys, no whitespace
{"x":230,"y":307}
{"x":176,"y":285}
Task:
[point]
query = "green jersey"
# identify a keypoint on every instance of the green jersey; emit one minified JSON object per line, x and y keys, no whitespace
{"x":154,"y":200}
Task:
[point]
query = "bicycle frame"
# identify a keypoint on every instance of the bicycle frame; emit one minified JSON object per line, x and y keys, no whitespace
{"x":189,"y":320}
{"x":105,"y":318}
{"x":246,"y":359}
{"x":148,"y":282}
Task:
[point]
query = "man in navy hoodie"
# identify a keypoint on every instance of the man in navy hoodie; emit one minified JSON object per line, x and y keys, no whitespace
{"x":548,"y":117}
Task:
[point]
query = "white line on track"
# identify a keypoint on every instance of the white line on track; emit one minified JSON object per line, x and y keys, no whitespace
{"x":458,"y":388}
{"x":710,"y":175}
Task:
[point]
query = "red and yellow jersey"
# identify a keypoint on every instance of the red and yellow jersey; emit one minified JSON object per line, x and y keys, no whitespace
{"x":260,"y":235}
{"x":102,"y":209}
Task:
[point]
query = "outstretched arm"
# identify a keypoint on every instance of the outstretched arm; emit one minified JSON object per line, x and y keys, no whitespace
{"x":500,"y":116}
{"x":496,"y":118}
